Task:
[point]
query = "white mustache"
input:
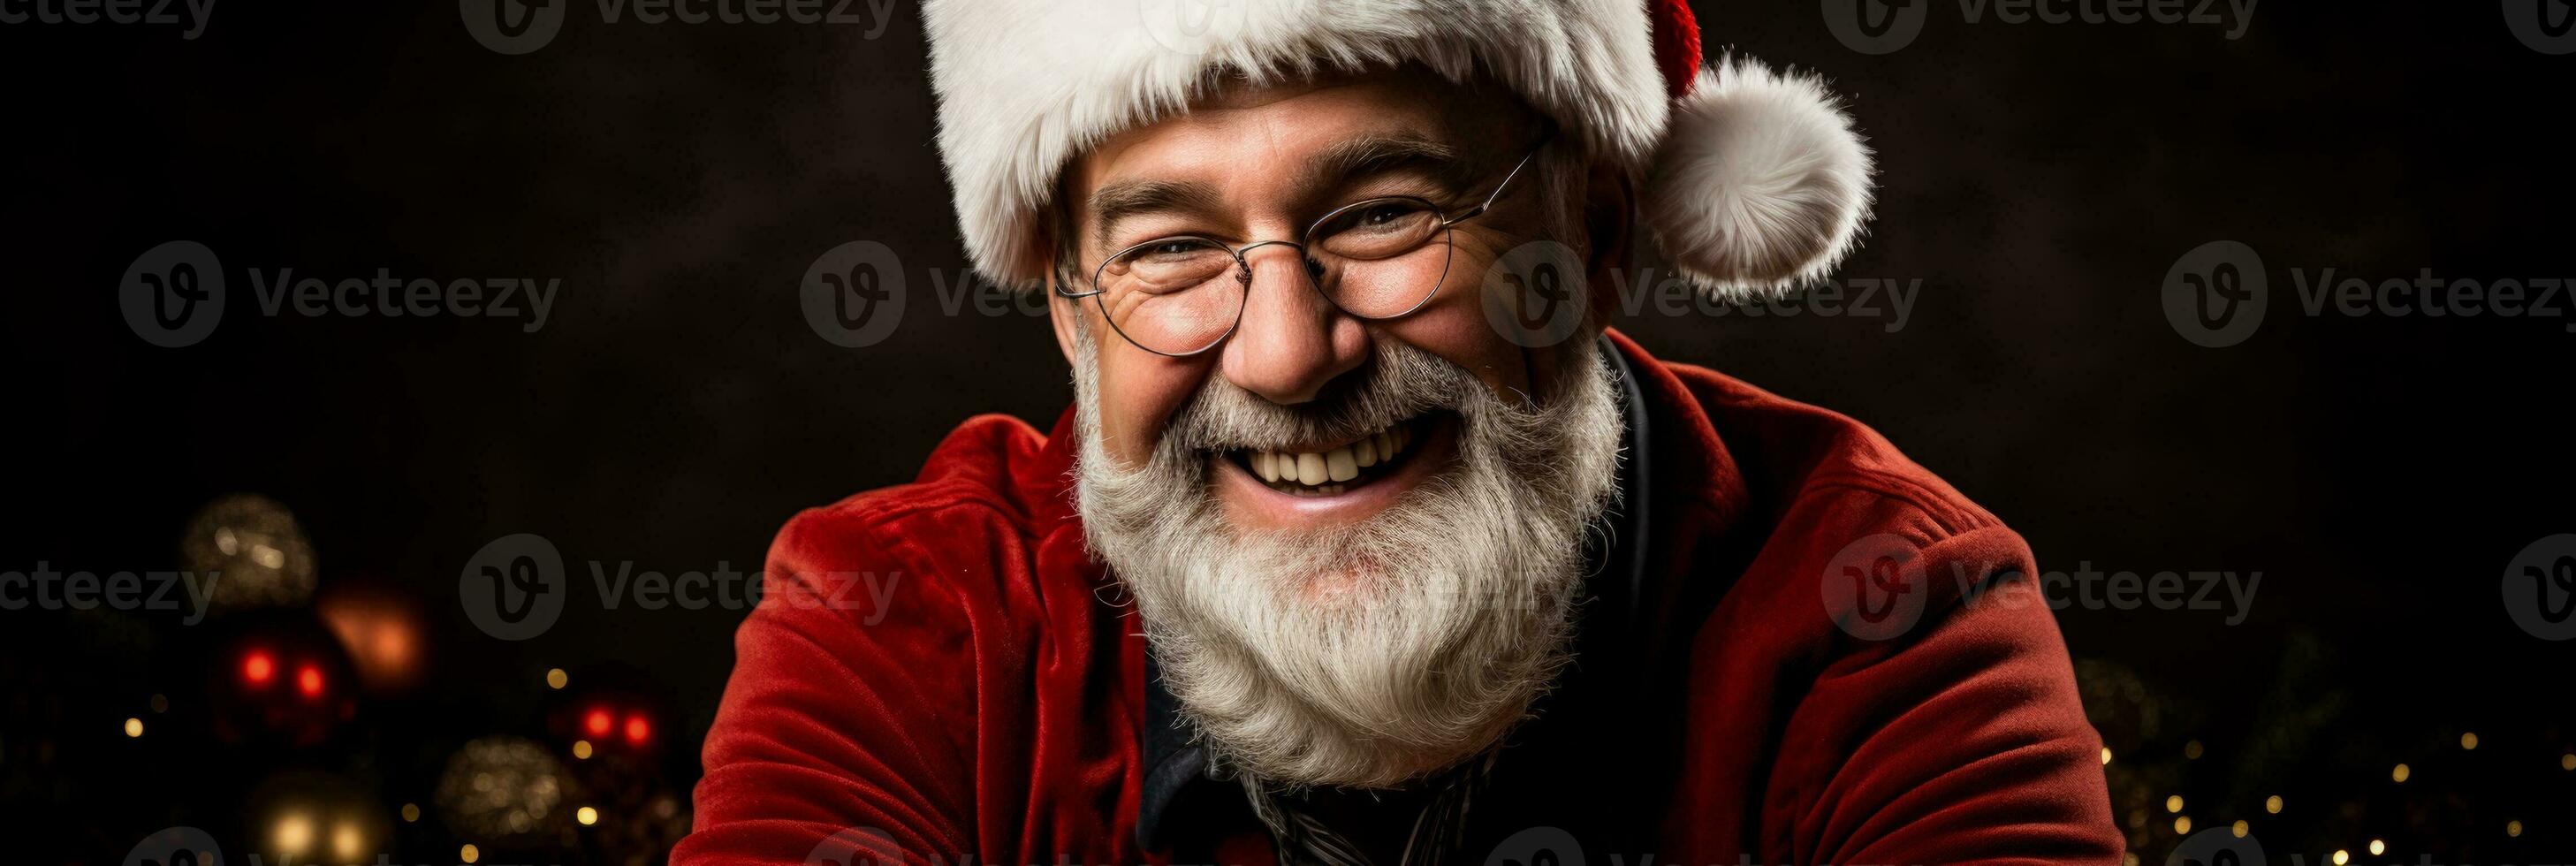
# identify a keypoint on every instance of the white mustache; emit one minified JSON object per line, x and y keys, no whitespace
{"x":1400,"y":382}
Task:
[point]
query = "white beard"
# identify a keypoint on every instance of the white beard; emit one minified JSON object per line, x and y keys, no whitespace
{"x":1376,"y":653}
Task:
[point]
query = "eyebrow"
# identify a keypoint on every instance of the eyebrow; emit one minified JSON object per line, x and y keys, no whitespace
{"x":1119,"y":201}
{"x":1376,"y":156}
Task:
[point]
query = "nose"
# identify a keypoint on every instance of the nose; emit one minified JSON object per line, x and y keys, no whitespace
{"x":1291,"y":341}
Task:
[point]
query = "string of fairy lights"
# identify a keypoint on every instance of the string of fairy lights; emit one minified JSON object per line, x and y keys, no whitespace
{"x":2158,"y":818}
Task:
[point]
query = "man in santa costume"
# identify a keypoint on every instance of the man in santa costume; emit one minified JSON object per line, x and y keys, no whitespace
{"x":1366,"y":540}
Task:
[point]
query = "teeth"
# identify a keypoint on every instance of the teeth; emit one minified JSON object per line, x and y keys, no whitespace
{"x":1310,"y":469}
{"x":1340,"y":464}
{"x":1322,"y":474}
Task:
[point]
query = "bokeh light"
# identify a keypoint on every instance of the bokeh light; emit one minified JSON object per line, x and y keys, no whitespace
{"x":292,"y":834}
{"x":257,"y":546}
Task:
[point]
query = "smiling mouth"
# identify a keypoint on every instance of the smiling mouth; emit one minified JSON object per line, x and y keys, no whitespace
{"x":1336,"y":470}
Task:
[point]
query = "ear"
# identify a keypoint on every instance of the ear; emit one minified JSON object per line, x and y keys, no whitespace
{"x":1609,"y":220}
{"x":1064,"y":313}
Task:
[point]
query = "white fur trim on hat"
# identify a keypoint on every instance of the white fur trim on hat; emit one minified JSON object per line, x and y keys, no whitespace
{"x":1758,"y":184}
{"x":1024,"y":85}
{"x":1761,"y":185}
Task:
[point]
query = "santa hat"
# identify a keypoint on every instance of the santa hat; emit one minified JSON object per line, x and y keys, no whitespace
{"x":1753,"y":180}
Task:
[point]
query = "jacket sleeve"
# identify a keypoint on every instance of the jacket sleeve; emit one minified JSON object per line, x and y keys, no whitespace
{"x":802,"y":763}
{"x":1962,"y":740}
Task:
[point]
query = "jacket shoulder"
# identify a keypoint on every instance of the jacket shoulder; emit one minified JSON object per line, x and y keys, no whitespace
{"x":979,"y":467}
{"x":973,"y":501}
{"x":1886,"y":631}
{"x":1823,"y":494}
{"x":1798,"y":458}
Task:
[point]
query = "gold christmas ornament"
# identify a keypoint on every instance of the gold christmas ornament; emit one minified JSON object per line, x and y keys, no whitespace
{"x":256,"y":550}
{"x":502,"y":788}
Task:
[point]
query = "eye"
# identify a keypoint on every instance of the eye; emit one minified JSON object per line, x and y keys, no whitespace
{"x":1376,"y":229}
{"x":1387,"y":213}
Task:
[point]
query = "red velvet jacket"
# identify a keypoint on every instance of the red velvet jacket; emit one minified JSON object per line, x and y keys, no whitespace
{"x":1716,"y":711}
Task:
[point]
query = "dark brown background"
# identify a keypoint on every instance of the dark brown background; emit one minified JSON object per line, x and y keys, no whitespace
{"x":677,"y":408}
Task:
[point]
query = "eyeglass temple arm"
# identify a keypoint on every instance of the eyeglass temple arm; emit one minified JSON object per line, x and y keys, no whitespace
{"x":1063,"y":291}
{"x":1500,"y":188}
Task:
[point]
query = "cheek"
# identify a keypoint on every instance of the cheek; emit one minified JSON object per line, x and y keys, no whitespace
{"x":1454,"y":326}
{"x":1139,"y":391}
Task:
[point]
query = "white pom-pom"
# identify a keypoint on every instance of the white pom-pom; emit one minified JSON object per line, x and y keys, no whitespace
{"x":1760,"y":184}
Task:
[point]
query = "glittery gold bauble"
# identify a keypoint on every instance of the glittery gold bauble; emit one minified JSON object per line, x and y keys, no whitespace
{"x":255,"y":549}
{"x":503,"y":788}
